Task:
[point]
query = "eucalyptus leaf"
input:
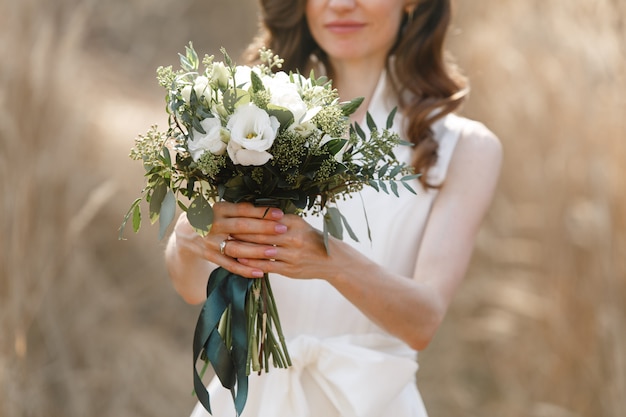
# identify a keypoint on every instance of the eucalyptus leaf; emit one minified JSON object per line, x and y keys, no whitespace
{"x":156,"y":199}
{"x":394,"y":188}
{"x":332,"y":220}
{"x":200,"y":214}
{"x":390,"y":118}
{"x":325,"y":235}
{"x":167,"y":159}
{"x":395,"y":171}
{"x":127,"y":216}
{"x":383,"y":187}
{"x":136,"y":218}
{"x":383,"y":170}
{"x":284,"y":116}
{"x":408,"y":187}
{"x":349,"y":107}
{"x":351,"y":233}
{"x":370,"y":122}
{"x":411,"y":177}
{"x":168,"y":211}
{"x":359,"y":131}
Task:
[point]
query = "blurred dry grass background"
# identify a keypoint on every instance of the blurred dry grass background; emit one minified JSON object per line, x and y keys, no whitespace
{"x":89,"y":325}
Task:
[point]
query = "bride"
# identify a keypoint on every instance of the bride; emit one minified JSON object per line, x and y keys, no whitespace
{"x":355,"y":317}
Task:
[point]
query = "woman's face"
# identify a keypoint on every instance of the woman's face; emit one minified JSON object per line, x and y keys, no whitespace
{"x":353,"y":30}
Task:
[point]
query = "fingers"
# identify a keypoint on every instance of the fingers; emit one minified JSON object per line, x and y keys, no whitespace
{"x":242,"y":221}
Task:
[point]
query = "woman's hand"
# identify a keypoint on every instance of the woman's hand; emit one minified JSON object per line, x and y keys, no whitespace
{"x":190,"y":258}
{"x":298,"y":252}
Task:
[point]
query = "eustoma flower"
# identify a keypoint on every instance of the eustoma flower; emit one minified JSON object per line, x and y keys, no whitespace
{"x":214,"y":140}
{"x":252,"y":133}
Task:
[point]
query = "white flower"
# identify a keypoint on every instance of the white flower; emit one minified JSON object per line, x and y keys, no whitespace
{"x":241,"y":156}
{"x":242,"y":76}
{"x":252,"y":133}
{"x":304,"y":129}
{"x":285,"y":94}
{"x":214,"y":140}
{"x":219,"y":75}
{"x":200,"y":85}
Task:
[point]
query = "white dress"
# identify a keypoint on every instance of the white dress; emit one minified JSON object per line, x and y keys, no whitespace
{"x":343,"y":364}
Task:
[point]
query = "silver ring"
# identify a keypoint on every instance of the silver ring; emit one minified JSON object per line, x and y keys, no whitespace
{"x":223,"y":246}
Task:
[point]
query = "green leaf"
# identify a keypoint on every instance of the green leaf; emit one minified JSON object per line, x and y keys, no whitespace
{"x":325,"y":234}
{"x":383,"y":186}
{"x":351,"y":233}
{"x":332,"y":221}
{"x":257,"y":84}
{"x":284,"y":116}
{"x":191,"y":56}
{"x":349,"y":107}
{"x":360,"y":131}
{"x":200,"y":214}
{"x":168,"y":211}
{"x":227,"y":59}
{"x":374,"y":185}
{"x":370,"y":122}
{"x":390,"y":118}
{"x":231,"y":98}
{"x":131,"y":212}
{"x":410,"y":177}
{"x":394,"y":188}
{"x":167,"y":157}
{"x":383,"y":170}
{"x":395,"y":171}
{"x":156,"y":199}
{"x":408,"y":187}
{"x":335,"y":145}
{"x":136,"y":218}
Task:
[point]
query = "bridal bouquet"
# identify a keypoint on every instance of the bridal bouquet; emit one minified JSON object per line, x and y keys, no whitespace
{"x":254,"y":134}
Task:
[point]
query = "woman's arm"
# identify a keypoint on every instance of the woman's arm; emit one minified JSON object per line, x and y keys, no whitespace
{"x":410,"y":309}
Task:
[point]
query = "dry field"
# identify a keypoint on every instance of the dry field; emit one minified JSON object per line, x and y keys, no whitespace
{"x":90,"y":326}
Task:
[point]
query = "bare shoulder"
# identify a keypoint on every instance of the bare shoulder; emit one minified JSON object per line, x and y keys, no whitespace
{"x":478,"y":150}
{"x":474,"y":169}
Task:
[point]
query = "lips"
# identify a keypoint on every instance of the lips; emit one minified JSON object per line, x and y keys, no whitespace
{"x":344,"y":26}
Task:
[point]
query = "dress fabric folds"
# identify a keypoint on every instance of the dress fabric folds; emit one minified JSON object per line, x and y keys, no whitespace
{"x":343,"y":364}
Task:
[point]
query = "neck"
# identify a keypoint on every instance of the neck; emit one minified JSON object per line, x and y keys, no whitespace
{"x":356,"y":80}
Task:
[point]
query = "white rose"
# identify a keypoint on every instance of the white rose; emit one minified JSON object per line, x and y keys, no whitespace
{"x":214,"y":140}
{"x":200,"y":85}
{"x":252,"y":133}
{"x":219,"y":75}
{"x":186,"y":93}
{"x":285,"y":94}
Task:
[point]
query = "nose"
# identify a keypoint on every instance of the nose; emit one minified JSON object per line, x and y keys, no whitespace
{"x":341,"y":5}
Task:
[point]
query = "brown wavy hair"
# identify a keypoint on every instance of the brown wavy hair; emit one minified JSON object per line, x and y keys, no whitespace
{"x":420,"y":66}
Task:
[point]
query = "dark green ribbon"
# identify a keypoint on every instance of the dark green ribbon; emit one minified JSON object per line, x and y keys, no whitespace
{"x":223,"y":290}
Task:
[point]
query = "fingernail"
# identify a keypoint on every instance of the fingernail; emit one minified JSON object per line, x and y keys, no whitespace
{"x":280,"y":228}
{"x":276,"y":213}
{"x":271,"y":252}
{"x":257,"y":274}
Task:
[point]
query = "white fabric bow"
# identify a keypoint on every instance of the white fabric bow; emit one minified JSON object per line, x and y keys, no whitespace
{"x":338,"y":366}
